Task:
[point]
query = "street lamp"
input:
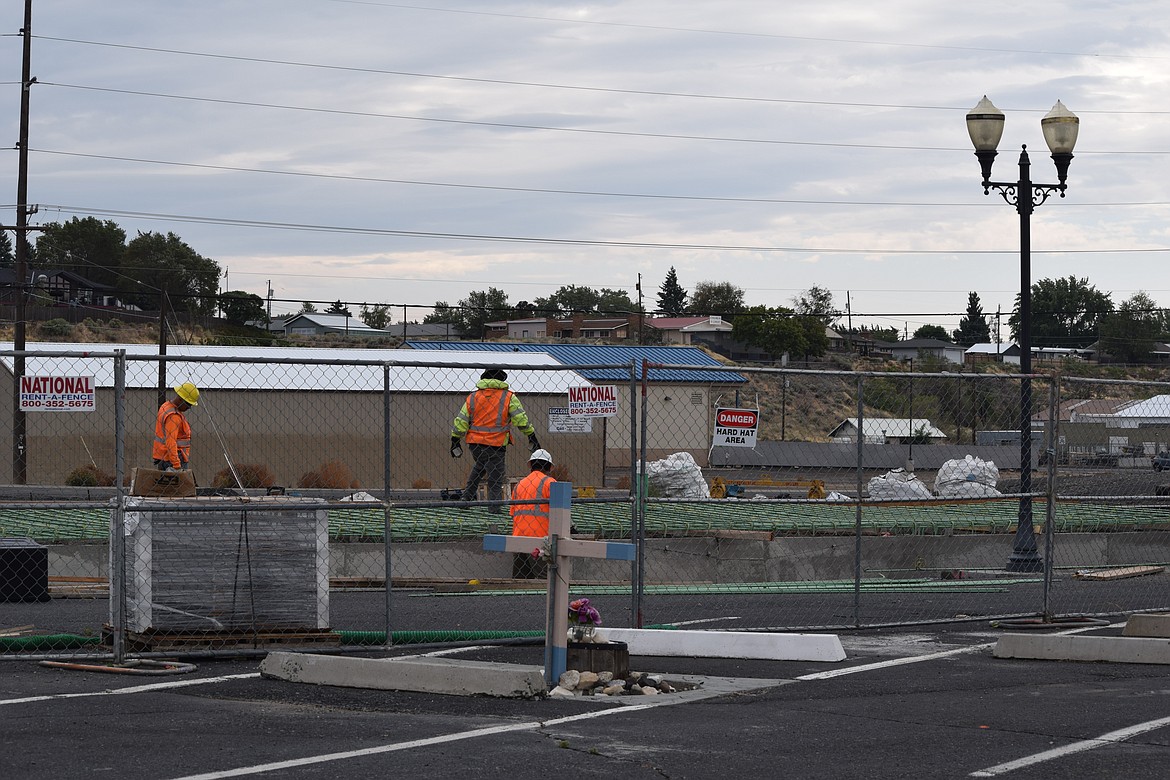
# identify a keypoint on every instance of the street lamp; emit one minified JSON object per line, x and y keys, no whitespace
{"x":985,"y":126}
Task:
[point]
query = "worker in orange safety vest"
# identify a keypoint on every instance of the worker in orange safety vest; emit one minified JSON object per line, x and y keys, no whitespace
{"x":531,"y":519}
{"x":486,"y":420}
{"x":172,"y":433}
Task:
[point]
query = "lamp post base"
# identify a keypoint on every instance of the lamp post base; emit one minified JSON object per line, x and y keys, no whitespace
{"x":1029,"y":561}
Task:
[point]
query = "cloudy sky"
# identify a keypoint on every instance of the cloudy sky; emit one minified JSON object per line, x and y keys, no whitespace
{"x":407,"y":153}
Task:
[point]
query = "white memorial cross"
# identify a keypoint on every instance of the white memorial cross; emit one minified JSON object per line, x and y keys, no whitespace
{"x":562,"y":549}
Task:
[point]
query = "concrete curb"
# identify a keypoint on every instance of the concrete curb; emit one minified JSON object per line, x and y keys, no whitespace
{"x":1114,"y":649}
{"x":1147,"y":626}
{"x":729,"y":644}
{"x":426,"y":675}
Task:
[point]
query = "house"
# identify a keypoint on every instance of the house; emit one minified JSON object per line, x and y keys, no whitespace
{"x":1097,"y":428}
{"x":686,"y":392}
{"x":576,"y":326}
{"x":916,"y":349}
{"x":992,"y":353}
{"x":887,"y":430}
{"x":318,"y":324}
{"x":682,"y":330}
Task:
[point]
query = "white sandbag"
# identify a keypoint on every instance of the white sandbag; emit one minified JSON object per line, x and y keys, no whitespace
{"x":898,"y":484}
{"x":968,"y":477}
{"x":677,"y":476}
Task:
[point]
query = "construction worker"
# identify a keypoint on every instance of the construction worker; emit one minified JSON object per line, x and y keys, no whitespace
{"x":486,"y":419}
{"x":531,"y":519}
{"x":172,"y":432}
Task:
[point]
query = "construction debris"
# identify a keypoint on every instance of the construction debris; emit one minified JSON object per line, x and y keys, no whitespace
{"x":1125,"y":572}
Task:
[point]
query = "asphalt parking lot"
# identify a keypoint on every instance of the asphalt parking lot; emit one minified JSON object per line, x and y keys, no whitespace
{"x":907,"y":703}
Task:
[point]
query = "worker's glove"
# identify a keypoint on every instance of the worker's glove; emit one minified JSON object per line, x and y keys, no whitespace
{"x":533,"y":442}
{"x":456,"y":448}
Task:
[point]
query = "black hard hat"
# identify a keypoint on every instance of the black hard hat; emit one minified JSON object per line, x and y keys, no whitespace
{"x":494,"y":373}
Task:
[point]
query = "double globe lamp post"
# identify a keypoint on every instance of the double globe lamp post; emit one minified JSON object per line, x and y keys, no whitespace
{"x":985,"y":126}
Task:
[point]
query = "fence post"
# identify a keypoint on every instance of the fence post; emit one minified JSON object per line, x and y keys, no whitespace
{"x":118,"y":516}
{"x":1050,"y":509}
{"x":635,"y":488}
{"x":386,"y":493}
{"x":857,"y":516}
{"x":643,"y":495}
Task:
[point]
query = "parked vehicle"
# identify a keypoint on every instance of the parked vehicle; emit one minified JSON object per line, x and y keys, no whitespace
{"x":1162,"y":460}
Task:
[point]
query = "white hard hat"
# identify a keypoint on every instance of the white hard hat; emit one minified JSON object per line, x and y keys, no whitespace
{"x":541,"y":455}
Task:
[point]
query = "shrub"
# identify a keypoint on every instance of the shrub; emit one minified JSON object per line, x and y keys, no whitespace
{"x":56,"y":328}
{"x":88,"y":476}
{"x":421,"y":484}
{"x":333,"y":474}
{"x":252,"y":475}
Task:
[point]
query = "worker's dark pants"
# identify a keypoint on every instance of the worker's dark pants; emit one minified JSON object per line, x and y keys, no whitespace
{"x":527,"y":567}
{"x":489,"y":462}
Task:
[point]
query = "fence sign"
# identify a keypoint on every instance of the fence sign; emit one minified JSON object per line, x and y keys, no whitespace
{"x":593,"y":401}
{"x":736,"y":427}
{"x":560,"y":421}
{"x":57,"y":394}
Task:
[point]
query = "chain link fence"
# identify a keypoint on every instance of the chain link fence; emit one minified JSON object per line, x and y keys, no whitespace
{"x":323,"y":508}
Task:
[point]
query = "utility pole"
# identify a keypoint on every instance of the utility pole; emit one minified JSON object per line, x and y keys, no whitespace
{"x":270,"y":300}
{"x":641,"y":314}
{"x":19,"y":422}
{"x":849,"y":329}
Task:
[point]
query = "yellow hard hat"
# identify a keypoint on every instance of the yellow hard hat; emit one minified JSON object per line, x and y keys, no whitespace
{"x":188,"y":392}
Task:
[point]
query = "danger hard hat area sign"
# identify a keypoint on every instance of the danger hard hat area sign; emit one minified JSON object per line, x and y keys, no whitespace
{"x":736,"y":427}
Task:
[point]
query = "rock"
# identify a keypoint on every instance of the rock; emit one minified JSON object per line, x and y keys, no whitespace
{"x":569,"y":679}
{"x":650,"y":679}
{"x":666,"y":687}
{"x":560,"y":692}
{"x":649,"y":691}
{"x":614,"y":690}
{"x":635,"y":689}
{"x":587,"y":680}
{"x":605,"y":678}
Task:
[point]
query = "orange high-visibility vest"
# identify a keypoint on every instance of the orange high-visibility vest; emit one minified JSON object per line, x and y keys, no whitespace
{"x":531,"y":519}
{"x":487,"y":413}
{"x":173,"y":445}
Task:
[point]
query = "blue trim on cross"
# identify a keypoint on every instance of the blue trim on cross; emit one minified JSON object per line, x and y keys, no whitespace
{"x":495,"y":543}
{"x":560,"y":495}
{"x":619,"y":551}
{"x":556,"y":660}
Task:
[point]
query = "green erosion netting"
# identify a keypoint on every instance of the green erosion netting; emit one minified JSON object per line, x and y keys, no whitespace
{"x":662,"y":519}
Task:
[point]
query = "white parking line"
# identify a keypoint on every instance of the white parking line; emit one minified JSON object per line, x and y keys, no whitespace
{"x":131,"y":689}
{"x":1112,"y":738}
{"x":415,"y":743}
{"x":892,"y":662}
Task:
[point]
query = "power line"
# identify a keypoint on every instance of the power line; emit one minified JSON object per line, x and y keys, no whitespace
{"x":88,"y":211}
{"x":981,"y":203}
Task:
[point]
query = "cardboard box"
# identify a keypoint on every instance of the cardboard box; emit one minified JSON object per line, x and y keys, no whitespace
{"x":166,"y":484}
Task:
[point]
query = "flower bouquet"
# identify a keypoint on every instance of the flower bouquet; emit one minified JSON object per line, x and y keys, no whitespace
{"x":583,"y":622}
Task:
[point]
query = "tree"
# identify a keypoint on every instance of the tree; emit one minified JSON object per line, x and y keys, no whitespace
{"x":1065,"y":312}
{"x":932,"y":332}
{"x":571,"y":298}
{"x":672,"y":298}
{"x":445,"y":314}
{"x":483,"y":306}
{"x":154,"y":264}
{"x":817,"y":302}
{"x":7,"y":253}
{"x":722,"y":298}
{"x":307,"y":308}
{"x":879,"y":334}
{"x":337,"y":307}
{"x":973,"y":329}
{"x":1128,"y":335}
{"x":376,"y":316}
{"x":239,"y":307}
{"x":88,"y":247}
{"x":779,"y":330}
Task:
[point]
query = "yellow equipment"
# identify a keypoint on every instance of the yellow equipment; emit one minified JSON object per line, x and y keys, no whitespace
{"x":721,"y":488}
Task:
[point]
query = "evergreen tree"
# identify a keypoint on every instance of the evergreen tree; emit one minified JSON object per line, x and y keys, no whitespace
{"x":7,"y":253}
{"x":973,"y":329}
{"x":672,"y":298}
{"x":337,"y":307}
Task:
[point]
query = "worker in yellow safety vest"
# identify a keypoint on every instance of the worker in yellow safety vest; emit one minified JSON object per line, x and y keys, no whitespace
{"x":531,"y":519}
{"x":172,"y":433}
{"x":486,"y":421}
